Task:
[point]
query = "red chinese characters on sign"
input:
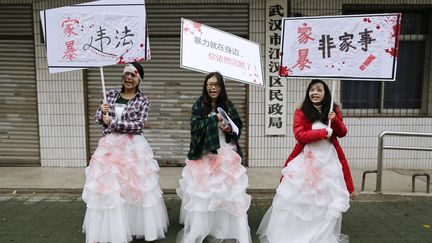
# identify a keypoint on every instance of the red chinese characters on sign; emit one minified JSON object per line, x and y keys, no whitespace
{"x":304,"y":36}
{"x":68,"y":30}
{"x":227,"y":60}
{"x":305,"y":33}
{"x":303,"y":60}
{"x":68,"y":26}
{"x":70,"y":51}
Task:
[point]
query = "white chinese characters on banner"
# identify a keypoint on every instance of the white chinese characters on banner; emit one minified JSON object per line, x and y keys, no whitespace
{"x":276,"y":90}
{"x":206,"y":49}
{"x":351,"y":47}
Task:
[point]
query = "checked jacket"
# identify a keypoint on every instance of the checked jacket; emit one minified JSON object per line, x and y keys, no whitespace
{"x":204,"y":131}
{"x":133,"y":117}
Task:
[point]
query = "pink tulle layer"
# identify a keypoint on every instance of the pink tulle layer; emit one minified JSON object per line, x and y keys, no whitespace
{"x":214,"y":199}
{"x":122,"y":192}
{"x":309,"y":201}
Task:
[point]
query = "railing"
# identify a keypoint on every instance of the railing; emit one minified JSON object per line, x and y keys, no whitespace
{"x":381,"y":147}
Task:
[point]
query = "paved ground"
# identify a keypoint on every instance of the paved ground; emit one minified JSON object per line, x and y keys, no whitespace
{"x":261,"y":179}
{"x":58,"y":217}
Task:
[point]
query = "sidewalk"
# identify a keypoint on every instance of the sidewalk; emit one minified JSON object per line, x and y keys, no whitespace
{"x":261,"y":180}
{"x":57,"y":218}
{"x":44,"y":205}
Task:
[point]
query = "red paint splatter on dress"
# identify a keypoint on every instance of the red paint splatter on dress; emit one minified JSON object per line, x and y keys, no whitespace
{"x":312,"y":170}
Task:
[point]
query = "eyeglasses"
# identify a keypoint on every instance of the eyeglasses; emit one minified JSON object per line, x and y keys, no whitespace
{"x":211,"y":85}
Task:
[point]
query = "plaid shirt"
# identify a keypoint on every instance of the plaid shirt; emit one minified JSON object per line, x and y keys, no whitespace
{"x":132,"y":119}
{"x":204,"y":131}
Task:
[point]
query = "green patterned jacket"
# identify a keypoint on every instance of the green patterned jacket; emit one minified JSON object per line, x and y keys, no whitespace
{"x":204,"y":131}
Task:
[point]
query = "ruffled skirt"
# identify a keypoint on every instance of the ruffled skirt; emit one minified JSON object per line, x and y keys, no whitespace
{"x":122,"y":193}
{"x":309,"y":201}
{"x":214,"y":199}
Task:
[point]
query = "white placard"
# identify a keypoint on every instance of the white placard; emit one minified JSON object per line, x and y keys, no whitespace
{"x":227,"y":120}
{"x":206,"y":49}
{"x":351,"y":47}
{"x":95,"y":34}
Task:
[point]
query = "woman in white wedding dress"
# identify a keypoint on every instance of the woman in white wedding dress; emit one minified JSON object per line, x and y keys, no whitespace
{"x":121,"y":191}
{"x":316,"y":182}
{"x":213,"y":184}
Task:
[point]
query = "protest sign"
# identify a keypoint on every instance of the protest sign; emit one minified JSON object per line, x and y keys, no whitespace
{"x":206,"y":49}
{"x":350,"y":47}
{"x":95,"y":34}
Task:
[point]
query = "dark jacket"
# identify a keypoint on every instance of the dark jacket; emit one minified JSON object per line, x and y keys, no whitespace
{"x":204,"y":131}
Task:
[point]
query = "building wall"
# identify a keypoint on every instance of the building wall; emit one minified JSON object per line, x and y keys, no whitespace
{"x":361,"y":143}
{"x":61,"y":105}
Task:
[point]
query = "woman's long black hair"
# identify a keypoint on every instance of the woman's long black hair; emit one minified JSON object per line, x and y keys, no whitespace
{"x":308,"y":108}
{"x":222,"y":100}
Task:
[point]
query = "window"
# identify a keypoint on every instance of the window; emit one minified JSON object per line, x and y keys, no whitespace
{"x":407,"y":95}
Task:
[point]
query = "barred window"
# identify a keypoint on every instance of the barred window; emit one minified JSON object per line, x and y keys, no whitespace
{"x":408,"y":94}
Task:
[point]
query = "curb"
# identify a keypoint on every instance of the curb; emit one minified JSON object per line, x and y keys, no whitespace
{"x":364,"y":196}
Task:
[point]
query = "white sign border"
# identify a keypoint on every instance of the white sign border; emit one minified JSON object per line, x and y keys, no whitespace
{"x":225,"y":76}
{"x":103,"y":3}
{"x":397,"y":35}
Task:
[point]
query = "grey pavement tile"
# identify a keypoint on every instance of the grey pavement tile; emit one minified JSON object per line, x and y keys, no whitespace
{"x":58,"y":218}
{"x":4,"y":199}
